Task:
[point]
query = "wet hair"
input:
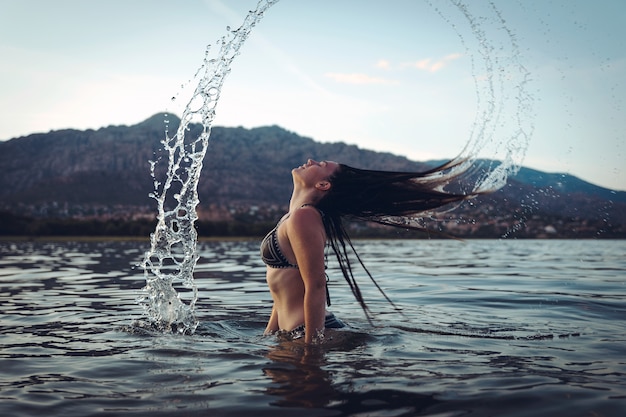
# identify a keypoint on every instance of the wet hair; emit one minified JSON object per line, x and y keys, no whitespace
{"x":397,"y":199}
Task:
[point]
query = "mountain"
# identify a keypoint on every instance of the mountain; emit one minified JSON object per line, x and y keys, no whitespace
{"x":105,"y":173}
{"x":567,"y":184}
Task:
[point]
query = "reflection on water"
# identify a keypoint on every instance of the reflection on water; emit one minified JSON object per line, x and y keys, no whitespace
{"x":302,"y":380}
{"x":300,"y":371}
{"x":298,"y":376}
{"x":486,"y":327}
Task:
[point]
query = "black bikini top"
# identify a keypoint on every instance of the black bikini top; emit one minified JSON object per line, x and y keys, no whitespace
{"x":271,"y":254}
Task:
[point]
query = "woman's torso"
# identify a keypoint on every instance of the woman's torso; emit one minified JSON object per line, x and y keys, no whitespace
{"x":284,"y":281}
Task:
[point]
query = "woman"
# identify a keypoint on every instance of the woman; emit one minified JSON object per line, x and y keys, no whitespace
{"x":324,"y":193}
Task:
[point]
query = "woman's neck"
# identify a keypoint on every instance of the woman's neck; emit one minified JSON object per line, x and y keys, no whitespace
{"x":303,"y":197}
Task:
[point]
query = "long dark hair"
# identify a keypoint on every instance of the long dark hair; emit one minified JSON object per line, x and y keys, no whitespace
{"x":385,"y":197}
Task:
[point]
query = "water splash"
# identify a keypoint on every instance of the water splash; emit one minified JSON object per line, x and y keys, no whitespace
{"x":170,"y":293}
{"x":503,"y":124}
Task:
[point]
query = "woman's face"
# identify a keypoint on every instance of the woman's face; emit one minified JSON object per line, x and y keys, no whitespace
{"x":314,"y":172}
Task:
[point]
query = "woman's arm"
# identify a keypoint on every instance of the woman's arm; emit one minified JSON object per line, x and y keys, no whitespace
{"x":272,"y":324}
{"x":308,"y":239}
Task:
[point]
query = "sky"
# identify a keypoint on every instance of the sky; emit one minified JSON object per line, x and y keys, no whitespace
{"x":412,"y":77}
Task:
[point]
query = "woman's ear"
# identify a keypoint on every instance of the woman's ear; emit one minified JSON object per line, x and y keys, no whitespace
{"x":323,"y":185}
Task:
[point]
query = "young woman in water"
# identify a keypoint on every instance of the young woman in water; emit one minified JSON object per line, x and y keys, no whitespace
{"x":324,"y":193}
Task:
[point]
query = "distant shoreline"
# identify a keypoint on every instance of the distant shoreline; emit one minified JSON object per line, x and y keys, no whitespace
{"x":252,"y":238}
{"x":111,"y":238}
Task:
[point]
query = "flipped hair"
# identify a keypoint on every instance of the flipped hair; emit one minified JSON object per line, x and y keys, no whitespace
{"x":385,"y":197}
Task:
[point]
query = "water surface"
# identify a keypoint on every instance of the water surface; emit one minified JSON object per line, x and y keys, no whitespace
{"x":493,"y":327}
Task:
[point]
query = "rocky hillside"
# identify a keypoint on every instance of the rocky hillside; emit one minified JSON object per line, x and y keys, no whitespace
{"x":105,"y":173}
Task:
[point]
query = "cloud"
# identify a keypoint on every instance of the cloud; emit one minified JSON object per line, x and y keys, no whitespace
{"x":383,"y":64}
{"x":432,"y":65}
{"x":357,"y":78}
{"x":426,"y":64}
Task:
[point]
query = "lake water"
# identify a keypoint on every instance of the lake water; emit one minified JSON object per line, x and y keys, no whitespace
{"x":487,"y":328}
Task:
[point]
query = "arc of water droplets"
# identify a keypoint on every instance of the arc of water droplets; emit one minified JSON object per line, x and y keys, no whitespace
{"x":499,"y":67}
{"x":172,"y":256}
{"x":504,"y":64}
{"x":502,"y":100}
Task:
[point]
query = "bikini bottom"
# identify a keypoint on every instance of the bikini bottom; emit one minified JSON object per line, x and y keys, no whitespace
{"x":330,"y":322}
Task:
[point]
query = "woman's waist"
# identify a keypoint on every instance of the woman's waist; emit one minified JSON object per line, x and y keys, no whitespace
{"x":285,"y":282}
{"x":330,"y":322}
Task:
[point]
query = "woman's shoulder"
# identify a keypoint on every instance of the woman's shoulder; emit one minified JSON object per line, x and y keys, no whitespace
{"x":306,"y":216}
{"x":306,"y":223}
